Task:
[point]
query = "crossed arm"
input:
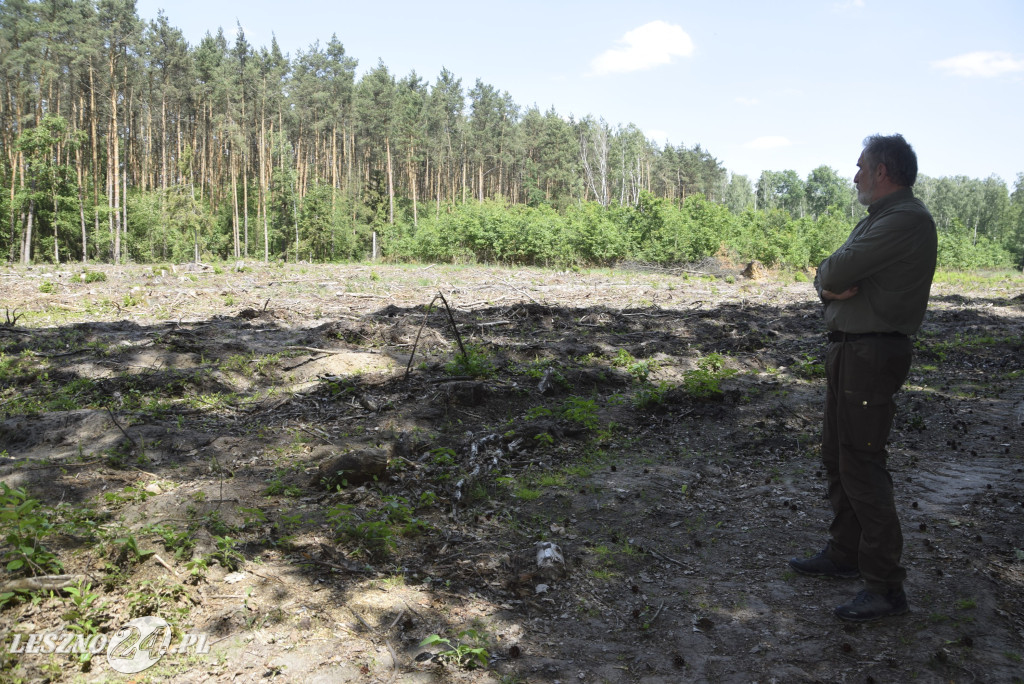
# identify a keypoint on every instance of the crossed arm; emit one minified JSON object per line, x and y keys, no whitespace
{"x":845,"y":294}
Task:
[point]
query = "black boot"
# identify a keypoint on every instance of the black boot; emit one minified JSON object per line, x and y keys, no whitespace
{"x":867,"y":606}
{"x":820,"y":565}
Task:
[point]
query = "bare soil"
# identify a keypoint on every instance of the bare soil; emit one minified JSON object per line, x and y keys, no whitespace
{"x":214,"y":399}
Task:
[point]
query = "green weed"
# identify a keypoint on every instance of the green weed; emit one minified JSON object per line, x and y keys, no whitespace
{"x":477,"y":362}
{"x":130,"y":494}
{"x":277,"y":487}
{"x":651,"y":396}
{"x":467,"y":649}
{"x":641,"y":370}
{"x":24,"y":524}
{"x":376,"y":532}
{"x":527,"y":493}
{"x":177,"y":541}
{"x":251,"y":364}
{"x":227,"y":553}
{"x":705,"y":381}
{"x":808,"y":367}
{"x":156,"y":597}
{"x":581,"y":411}
{"x":538,"y":412}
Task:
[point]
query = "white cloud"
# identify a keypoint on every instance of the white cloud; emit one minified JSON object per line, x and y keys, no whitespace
{"x":848,"y":5}
{"x":983,"y":64}
{"x":768,"y":142}
{"x":748,"y":101}
{"x":645,"y":47}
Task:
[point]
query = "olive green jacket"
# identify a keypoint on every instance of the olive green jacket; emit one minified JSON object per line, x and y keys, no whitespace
{"x":890,"y":256}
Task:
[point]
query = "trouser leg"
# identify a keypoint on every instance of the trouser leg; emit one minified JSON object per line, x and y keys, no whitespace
{"x":865,"y":532}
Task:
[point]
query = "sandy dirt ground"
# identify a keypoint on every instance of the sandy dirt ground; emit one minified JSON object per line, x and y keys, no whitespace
{"x":290,"y":461}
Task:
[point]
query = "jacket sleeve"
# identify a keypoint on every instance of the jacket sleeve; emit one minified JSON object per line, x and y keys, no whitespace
{"x":817,"y":285}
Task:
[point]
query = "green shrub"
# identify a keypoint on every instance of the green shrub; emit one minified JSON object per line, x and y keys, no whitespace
{"x":705,"y":381}
{"x":24,"y":524}
{"x":476,"y":362}
{"x":651,"y":396}
{"x":581,"y":411}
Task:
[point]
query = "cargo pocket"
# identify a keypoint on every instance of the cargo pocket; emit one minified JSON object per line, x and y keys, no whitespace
{"x":868,"y":420}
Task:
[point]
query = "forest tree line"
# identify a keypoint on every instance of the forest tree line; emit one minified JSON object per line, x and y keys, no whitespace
{"x":121,"y":141}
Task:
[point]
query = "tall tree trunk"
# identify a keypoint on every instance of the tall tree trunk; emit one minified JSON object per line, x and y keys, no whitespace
{"x":412,"y":185}
{"x":163,"y":176}
{"x":245,"y":206}
{"x":81,"y":212}
{"x":195,"y":230}
{"x":115,"y":236}
{"x":391,"y":183}
{"x":333,"y":165}
{"x":265,"y":173}
{"x":12,"y":221}
{"x":56,"y":232}
{"x":29,"y":219}
{"x":115,"y":197}
{"x":234,"y":205}
{"x":80,"y":173}
{"x":124,"y":204}
{"x":348,"y":162}
{"x":26,"y":236}
{"x":295,"y":214}
{"x":93,"y":116}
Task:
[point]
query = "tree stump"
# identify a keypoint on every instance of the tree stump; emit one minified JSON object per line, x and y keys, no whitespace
{"x":755,"y":270}
{"x":350,"y":467}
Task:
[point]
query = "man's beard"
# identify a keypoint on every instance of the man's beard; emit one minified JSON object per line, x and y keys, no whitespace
{"x":864,"y":196}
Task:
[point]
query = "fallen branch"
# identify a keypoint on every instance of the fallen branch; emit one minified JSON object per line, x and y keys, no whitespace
{"x":646,"y":547}
{"x":316,"y":350}
{"x":455,"y":329}
{"x":522,"y":292}
{"x":43,"y":582}
{"x":11,"y":322}
{"x":397,"y":618}
{"x":61,"y":464}
{"x":394,"y":661}
{"x":362,"y":621}
{"x":45,"y":355}
{"x":162,"y":562}
{"x":130,"y":439}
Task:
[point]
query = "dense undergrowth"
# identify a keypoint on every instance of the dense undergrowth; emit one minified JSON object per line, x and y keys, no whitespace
{"x":654,"y":230}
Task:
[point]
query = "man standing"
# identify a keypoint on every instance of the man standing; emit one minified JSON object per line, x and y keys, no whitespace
{"x":875,"y":291}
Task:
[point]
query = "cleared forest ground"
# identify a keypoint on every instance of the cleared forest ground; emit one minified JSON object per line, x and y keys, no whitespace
{"x":659,"y":428}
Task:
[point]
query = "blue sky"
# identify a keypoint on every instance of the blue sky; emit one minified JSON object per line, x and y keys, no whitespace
{"x":761,"y":85}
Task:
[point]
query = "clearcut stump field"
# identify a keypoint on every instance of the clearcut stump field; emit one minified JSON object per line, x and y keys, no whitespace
{"x":317,"y":470}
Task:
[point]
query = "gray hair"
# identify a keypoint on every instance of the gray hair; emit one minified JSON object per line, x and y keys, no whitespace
{"x":896,"y":154}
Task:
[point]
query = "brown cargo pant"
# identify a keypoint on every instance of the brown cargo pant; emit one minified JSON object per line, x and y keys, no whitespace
{"x":863,"y":375}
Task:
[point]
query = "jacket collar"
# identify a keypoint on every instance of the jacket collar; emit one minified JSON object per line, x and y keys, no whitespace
{"x":900,"y":195}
